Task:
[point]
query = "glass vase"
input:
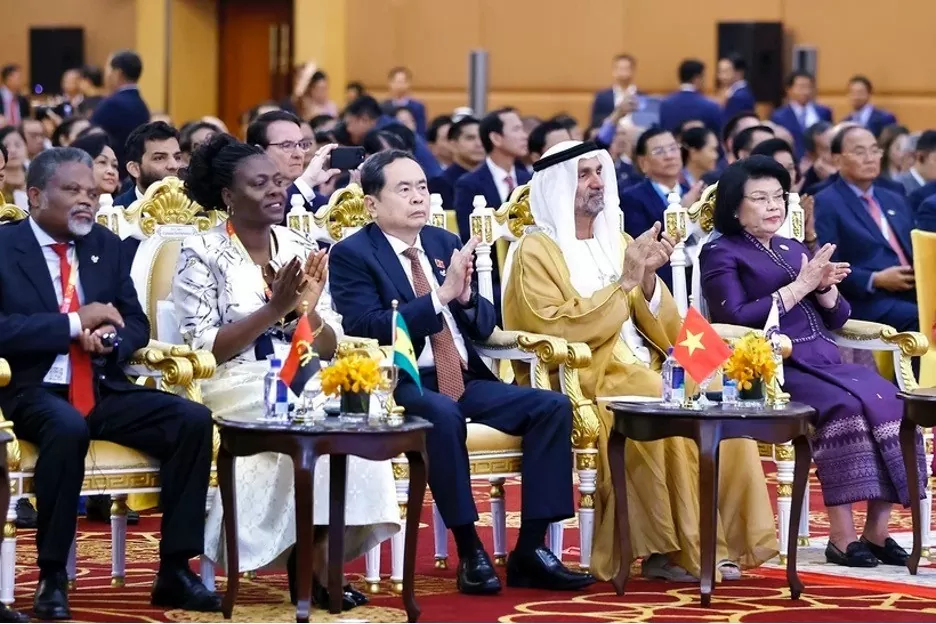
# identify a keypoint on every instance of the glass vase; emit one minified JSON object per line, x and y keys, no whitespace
{"x":355,"y":404}
{"x":756,"y":393}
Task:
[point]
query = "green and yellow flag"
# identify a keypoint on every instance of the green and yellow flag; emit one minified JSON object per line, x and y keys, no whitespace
{"x":404,"y":356}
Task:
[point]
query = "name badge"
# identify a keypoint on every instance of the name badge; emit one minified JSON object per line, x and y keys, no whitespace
{"x":58,"y":373}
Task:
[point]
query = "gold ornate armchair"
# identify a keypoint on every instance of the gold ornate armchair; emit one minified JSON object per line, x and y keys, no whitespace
{"x":493,"y":456}
{"x":861,"y":335}
{"x":109,"y":468}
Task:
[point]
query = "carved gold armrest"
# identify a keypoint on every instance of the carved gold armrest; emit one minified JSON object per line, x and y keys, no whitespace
{"x":13,"y":449}
{"x":203,"y":362}
{"x":880,"y":337}
{"x":175,"y":371}
{"x":5,"y":374}
{"x":585,"y":423}
{"x":363,"y":346}
{"x":525,"y":346}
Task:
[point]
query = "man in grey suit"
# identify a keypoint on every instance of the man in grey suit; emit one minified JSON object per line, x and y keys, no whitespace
{"x":924,"y":163}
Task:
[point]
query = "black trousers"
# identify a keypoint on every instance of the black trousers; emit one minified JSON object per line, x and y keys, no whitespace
{"x":544,"y":420}
{"x":169,"y":428}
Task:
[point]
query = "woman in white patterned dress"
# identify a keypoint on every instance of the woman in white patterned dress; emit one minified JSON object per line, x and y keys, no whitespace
{"x":232,"y":284}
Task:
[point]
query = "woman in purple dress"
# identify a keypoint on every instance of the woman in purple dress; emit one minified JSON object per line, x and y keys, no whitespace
{"x":856,"y":445}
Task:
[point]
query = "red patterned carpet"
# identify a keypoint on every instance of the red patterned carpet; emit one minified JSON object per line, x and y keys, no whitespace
{"x":759,"y":597}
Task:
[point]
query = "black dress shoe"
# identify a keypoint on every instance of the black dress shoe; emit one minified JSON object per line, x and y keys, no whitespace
{"x":358,"y":597}
{"x":349,"y":597}
{"x":541,"y":569}
{"x":26,"y":517}
{"x":9,"y":615}
{"x":890,"y":553}
{"x":181,"y":589}
{"x":856,"y":555}
{"x":51,"y":599}
{"x":476,"y":574}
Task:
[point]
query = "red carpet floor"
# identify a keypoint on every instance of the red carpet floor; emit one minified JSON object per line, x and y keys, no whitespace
{"x":761,"y":596}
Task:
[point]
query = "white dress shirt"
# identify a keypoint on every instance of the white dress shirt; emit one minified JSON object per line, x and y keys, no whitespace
{"x":55,"y":273}
{"x":500,"y":180}
{"x":863,"y":115}
{"x":426,"y":359}
{"x":806,"y":114}
{"x":916,"y":176}
{"x":307,"y":192}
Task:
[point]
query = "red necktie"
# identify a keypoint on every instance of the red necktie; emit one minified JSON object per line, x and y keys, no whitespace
{"x":448,"y":362}
{"x":81,"y":387}
{"x":874,"y":209}
{"x":510,"y":185}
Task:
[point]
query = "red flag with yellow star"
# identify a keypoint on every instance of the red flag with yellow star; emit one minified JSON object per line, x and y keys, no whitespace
{"x":699,"y":348}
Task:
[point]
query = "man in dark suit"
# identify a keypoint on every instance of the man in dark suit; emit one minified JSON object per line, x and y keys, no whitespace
{"x":800,"y":111}
{"x":863,"y":112}
{"x":399,"y":258}
{"x":925,"y":212}
{"x":467,"y":153}
{"x":544,"y":136}
{"x":643,"y":203}
{"x":738,"y":97}
{"x":66,"y":333}
{"x":400,"y":82}
{"x":365,"y":114}
{"x":124,"y":110}
{"x":918,"y":197}
{"x":14,"y":108}
{"x":870,"y":227}
{"x":622,"y":72}
{"x":923,"y":170}
{"x":689,"y":102}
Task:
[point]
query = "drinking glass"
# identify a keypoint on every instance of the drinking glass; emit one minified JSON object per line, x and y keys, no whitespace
{"x":384,"y":390}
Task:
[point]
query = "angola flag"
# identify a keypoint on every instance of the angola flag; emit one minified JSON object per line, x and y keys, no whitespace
{"x":302,"y":362}
{"x":699,"y":348}
{"x":404,"y":356}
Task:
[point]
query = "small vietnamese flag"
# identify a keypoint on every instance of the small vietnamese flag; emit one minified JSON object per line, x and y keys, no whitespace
{"x":302,"y":362}
{"x":699,"y":348}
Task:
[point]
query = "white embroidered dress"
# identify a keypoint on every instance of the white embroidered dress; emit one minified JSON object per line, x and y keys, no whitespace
{"x":216,"y":284}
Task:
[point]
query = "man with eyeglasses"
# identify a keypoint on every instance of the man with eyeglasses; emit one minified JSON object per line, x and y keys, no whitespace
{"x":279,"y":133}
{"x":870,"y":225}
{"x":643,"y":204}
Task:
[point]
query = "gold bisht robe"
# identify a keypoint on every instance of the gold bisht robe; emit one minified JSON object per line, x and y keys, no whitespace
{"x":662,"y":476}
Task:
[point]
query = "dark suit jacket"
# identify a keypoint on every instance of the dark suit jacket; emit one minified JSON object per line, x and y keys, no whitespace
{"x":479,"y":182}
{"x":444,"y":184}
{"x":421,"y":152}
{"x":642,"y":206}
{"x":366,"y":276}
{"x":925,"y":214}
{"x":880,"y":181}
{"x":627,"y":175}
{"x":685,"y":105}
{"x":842,"y":219}
{"x":23,"y":103}
{"x":33,"y":331}
{"x":917,"y":197}
{"x":415,"y":107}
{"x":740,"y":101}
{"x":602,"y":106}
{"x":787,"y":118}
{"x":878,"y":120}
{"x":119,"y":115}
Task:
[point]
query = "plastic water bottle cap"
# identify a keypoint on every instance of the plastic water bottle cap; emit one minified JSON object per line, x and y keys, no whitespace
{"x":276,"y":363}
{"x":669,"y":351}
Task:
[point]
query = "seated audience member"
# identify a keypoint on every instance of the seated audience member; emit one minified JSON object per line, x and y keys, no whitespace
{"x":467,"y":153}
{"x":404,"y":117}
{"x":738,"y":95}
{"x":124,"y":110}
{"x":544,"y":136}
{"x":152,"y":153}
{"x":380,"y":140}
{"x":897,"y":158}
{"x":817,"y":162}
{"x":621,"y":150}
{"x":570,"y":124}
{"x":856,"y":445}
{"x":323,"y":122}
{"x":35,"y":136}
{"x":864,"y":113}
{"x":14,"y":107}
{"x":690,"y":102}
{"x":643,"y":204}
{"x":91,"y":83}
{"x":699,"y":150}
{"x":748,"y":139}
{"x":14,"y":185}
{"x":870,"y":227}
{"x":68,"y":130}
{"x":399,"y":258}
{"x":242,"y":321}
{"x":399,"y":84}
{"x":354,"y":90}
{"x":687,"y":125}
{"x":98,"y":147}
{"x":923,"y":170}
{"x":882,"y":180}
{"x":194,"y":135}
{"x":580,"y":278}
{"x":69,"y":386}
{"x":735,"y":125}
{"x":364,"y":114}
{"x":279,"y":133}
{"x":782,"y":152}
{"x":780,"y":132}
{"x":437,"y":138}
{"x":800,"y":111}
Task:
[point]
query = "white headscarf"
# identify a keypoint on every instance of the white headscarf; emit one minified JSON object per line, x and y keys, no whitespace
{"x":552,"y":202}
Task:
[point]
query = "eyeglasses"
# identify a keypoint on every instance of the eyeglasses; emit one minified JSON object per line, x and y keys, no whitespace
{"x":305,"y":145}
{"x":764,"y":200}
{"x":863,"y":152}
{"x":663,"y":151}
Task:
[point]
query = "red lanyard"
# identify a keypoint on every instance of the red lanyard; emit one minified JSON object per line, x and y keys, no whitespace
{"x":70,"y":289}
{"x":267,"y":292}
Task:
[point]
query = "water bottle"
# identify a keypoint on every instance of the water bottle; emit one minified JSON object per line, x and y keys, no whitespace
{"x":275,"y":392}
{"x":729,"y":391}
{"x":674,"y":381}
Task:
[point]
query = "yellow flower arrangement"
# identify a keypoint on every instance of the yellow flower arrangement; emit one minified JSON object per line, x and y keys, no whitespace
{"x":751,"y":360}
{"x":352,"y":373}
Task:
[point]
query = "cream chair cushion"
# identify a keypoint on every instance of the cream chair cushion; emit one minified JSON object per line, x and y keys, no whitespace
{"x":101,"y":456}
{"x":484,"y":439}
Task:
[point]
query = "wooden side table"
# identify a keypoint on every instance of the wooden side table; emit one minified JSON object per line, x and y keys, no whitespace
{"x":919,"y":411}
{"x":304,"y":443}
{"x":646,"y":422}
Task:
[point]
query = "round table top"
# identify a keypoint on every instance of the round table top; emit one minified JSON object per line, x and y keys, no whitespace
{"x":712,"y":412}
{"x":331,"y":425}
